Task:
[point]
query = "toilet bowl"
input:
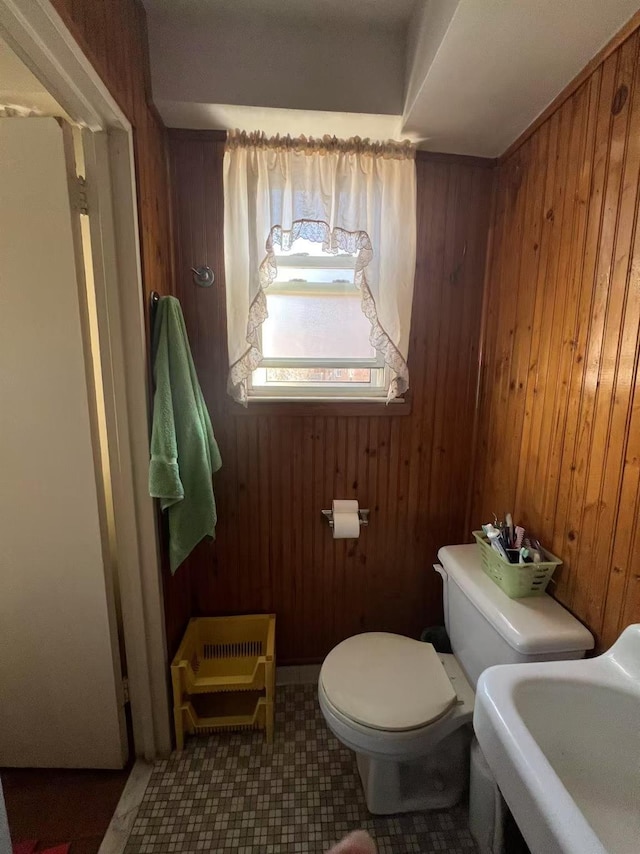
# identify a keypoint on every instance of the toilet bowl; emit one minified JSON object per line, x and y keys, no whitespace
{"x":406,"y":710}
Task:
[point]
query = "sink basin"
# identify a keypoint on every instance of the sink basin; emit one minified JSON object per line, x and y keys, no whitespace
{"x":562,"y":739}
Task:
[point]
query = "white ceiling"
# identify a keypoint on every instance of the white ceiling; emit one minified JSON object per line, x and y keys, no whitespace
{"x":273,"y":60}
{"x":394,"y":13}
{"x":20,"y":88}
{"x":499,"y":64}
{"x":464,"y":76}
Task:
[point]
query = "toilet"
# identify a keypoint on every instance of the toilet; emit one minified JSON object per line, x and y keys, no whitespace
{"x":406,"y":710}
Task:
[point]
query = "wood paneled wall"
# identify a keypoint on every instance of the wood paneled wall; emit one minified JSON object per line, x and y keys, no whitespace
{"x":274,"y":551}
{"x":113,"y":35}
{"x":559,"y":423}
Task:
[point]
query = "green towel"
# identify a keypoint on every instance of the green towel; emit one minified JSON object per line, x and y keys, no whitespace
{"x":184,"y":452}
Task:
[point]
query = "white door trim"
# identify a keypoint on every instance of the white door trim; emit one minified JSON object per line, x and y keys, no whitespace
{"x":39,"y":36}
{"x":36,"y":32}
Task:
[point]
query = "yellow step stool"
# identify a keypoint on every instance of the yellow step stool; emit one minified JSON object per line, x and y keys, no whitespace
{"x":223,"y":675}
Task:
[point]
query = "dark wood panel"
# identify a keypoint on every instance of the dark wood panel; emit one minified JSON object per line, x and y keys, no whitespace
{"x":281,"y":466}
{"x":559,"y":403}
{"x":113,"y":35}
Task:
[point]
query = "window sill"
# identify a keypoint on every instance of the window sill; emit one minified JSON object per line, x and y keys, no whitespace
{"x":323,"y":406}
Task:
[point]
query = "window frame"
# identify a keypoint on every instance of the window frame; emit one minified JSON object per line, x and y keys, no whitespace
{"x":376,"y":390}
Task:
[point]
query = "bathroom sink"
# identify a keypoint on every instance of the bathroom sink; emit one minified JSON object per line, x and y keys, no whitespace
{"x":563,"y":742}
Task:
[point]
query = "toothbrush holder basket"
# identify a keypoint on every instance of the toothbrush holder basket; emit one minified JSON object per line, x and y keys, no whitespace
{"x":516,"y":580}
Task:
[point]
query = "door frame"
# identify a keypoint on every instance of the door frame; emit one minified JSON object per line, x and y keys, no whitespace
{"x":38,"y":35}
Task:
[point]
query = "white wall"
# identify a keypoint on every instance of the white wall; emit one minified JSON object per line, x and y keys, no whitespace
{"x":183,"y":114}
{"x":263,"y":61}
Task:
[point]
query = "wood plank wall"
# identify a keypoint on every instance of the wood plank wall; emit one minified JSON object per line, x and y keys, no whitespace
{"x":273,"y":551}
{"x":559,"y":422}
{"x":113,"y":35}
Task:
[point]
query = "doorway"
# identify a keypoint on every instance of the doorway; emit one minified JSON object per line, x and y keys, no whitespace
{"x":80,"y":577}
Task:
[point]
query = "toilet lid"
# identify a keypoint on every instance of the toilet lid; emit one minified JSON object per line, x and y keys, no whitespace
{"x":387,"y":681}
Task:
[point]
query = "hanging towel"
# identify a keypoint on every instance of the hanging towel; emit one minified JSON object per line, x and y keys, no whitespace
{"x":184,"y":452}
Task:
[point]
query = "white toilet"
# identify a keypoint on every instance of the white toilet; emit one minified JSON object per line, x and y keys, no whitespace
{"x":406,"y":710}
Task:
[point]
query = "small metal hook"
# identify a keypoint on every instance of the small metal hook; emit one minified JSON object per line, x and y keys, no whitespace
{"x":203,"y":276}
{"x":154,"y":299}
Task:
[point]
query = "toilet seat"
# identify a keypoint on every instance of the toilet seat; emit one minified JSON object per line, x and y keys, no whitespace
{"x":403,"y":745}
{"x":387,"y":682}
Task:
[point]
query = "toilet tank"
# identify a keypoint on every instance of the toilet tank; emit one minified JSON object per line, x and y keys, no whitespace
{"x":486,"y":627}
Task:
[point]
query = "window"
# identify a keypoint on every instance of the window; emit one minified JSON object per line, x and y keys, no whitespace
{"x":308,"y":323}
{"x":315,"y":341}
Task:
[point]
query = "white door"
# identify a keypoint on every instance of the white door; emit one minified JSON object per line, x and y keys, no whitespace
{"x":61,"y":699}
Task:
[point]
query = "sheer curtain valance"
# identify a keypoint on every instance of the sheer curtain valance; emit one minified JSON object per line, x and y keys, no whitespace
{"x":348,"y":195}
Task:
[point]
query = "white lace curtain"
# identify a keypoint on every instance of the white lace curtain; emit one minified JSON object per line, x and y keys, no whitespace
{"x":349,"y":195}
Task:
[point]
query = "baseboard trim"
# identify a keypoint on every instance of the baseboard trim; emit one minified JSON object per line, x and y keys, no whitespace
{"x":302,"y":674}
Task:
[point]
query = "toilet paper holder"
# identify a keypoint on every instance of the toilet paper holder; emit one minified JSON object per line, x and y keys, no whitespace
{"x":363,"y":517}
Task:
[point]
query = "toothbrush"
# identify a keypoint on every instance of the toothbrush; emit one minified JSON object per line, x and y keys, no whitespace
{"x":535,"y":549}
{"x":490,"y":529}
{"x":508,"y":520}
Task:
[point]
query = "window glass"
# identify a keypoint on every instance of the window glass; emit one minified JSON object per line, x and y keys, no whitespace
{"x":316,"y":337}
{"x":316,"y":327}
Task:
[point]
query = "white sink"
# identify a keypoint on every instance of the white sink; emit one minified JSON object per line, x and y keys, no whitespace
{"x":562,"y":739}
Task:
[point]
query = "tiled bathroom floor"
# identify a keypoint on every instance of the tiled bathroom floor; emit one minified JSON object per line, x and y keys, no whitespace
{"x":234,"y":793}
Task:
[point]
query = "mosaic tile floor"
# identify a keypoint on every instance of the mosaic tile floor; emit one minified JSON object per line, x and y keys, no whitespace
{"x":234,"y":793}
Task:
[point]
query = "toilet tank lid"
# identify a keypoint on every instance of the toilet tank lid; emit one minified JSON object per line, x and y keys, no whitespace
{"x":537,"y":625}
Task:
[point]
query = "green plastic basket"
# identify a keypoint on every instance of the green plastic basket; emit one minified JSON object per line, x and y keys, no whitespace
{"x":514,"y":579}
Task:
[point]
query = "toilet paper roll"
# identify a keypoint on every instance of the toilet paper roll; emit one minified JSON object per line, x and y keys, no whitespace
{"x":346,"y":526}
{"x":346,"y":522}
{"x":349,"y":505}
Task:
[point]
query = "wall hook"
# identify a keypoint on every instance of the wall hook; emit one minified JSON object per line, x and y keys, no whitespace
{"x":154,"y":301}
{"x":203,"y":276}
